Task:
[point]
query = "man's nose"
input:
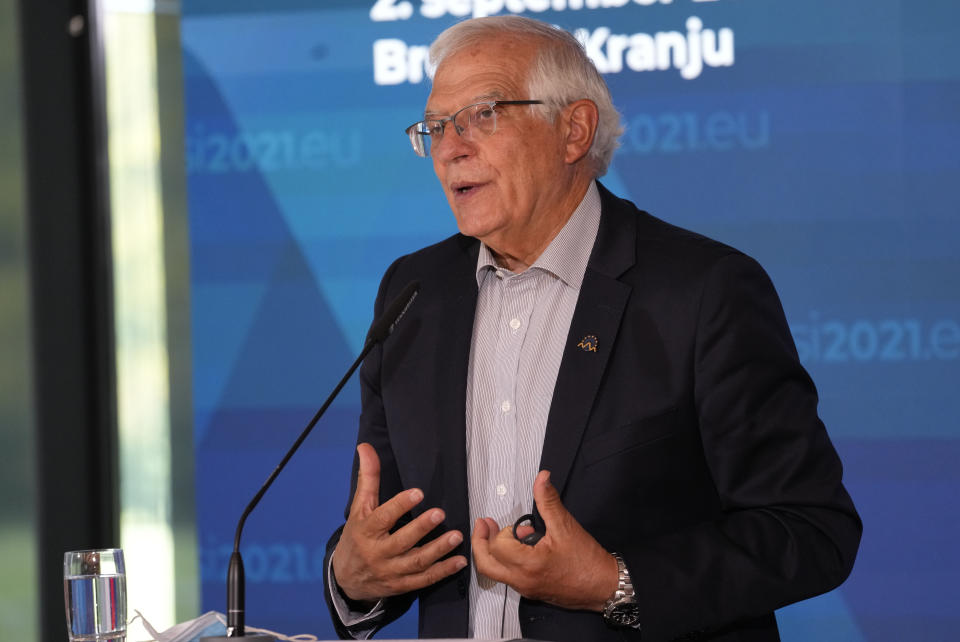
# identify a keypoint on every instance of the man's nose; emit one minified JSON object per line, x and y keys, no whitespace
{"x":453,"y":145}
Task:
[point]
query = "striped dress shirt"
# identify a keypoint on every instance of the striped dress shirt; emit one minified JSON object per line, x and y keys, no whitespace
{"x":519,"y":331}
{"x":520,"y":326}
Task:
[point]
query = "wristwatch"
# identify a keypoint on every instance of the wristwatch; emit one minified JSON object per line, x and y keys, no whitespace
{"x":622,"y":608}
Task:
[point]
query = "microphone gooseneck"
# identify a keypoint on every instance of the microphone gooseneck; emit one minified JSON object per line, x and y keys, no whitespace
{"x":379,"y":330}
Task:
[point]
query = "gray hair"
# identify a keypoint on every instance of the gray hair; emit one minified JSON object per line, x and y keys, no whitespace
{"x":561,"y":73}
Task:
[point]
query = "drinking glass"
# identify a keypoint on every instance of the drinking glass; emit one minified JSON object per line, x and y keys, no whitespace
{"x":95,"y":591}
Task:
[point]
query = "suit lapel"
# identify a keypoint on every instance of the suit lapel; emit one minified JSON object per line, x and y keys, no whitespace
{"x":593,"y":333}
{"x":453,"y":354}
{"x":595,"y":323}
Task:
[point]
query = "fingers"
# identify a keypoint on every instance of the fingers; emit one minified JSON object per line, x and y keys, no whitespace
{"x":567,"y":567}
{"x":407,"y":537}
{"x":387,"y":514}
{"x":367,"y":496}
{"x":549,"y":504}
{"x":544,"y":493}
{"x":366,"y":500}
{"x":371,"y":562}
{"x":403,"y":583}
{"x":480,"y":540}
{"x":485,"y":528}
{"x":420,"y":559}
{"x":403,"y":568}
{"x":392,"y":575}
{"x":487,"y":547}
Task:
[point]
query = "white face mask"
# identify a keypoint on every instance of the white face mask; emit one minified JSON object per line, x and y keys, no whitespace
{"x":209,"y":624}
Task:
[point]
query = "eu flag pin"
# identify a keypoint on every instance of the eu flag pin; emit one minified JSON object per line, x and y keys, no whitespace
{"x":588,"y":343}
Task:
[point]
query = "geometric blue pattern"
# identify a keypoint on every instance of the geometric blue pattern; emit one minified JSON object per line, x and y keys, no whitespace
{"x":827,"y":150}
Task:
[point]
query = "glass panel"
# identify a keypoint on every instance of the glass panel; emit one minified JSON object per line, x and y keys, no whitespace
{"x":156,"y":526}
{"x":18,"y":581}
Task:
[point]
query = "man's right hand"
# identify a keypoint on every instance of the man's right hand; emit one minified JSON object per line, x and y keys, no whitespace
{"x":370,"y":562}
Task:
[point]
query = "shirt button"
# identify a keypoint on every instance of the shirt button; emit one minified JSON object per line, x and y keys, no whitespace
{"x":501,"y":490}
{"x":505,"y":406}
{"x":499,"y":274}
{"x":515,"y":324}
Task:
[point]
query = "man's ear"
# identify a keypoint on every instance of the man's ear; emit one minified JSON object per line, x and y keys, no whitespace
{"x":581,"y":118}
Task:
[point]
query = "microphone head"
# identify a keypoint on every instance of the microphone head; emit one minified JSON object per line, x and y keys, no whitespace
{"x":391,"y":316}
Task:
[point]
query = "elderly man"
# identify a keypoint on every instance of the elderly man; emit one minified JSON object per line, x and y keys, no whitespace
{"x":632,"y":384}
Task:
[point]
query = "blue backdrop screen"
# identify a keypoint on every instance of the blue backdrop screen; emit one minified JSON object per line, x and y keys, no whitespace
{"x":819,"y":137}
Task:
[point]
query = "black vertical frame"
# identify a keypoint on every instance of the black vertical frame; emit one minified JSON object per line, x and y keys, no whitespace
{"x":67,"y":197}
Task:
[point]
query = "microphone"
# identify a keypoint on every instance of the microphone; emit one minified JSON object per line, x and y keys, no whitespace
{"x":379,"y":330}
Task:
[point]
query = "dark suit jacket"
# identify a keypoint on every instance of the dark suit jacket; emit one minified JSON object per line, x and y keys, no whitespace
{"x":688,"y":441}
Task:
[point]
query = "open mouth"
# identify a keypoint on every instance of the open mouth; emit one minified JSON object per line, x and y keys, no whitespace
{"x":461,"y":189}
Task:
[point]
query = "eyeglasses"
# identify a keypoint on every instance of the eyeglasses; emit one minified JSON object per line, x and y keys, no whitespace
{"x":478,"y":117}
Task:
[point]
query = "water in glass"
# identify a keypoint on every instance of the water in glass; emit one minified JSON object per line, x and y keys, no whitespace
{"x":96,"y":598}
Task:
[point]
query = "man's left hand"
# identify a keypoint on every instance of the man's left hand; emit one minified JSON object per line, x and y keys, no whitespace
{"x":567,"y":567}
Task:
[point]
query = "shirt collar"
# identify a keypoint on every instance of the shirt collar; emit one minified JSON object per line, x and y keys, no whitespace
{"x":567,"y":254}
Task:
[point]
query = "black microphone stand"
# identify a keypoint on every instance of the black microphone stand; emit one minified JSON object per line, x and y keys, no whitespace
{"x":235,"y":578}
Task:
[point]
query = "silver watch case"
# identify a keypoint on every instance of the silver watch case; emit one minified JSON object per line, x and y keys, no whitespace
{"x":622,"y":608}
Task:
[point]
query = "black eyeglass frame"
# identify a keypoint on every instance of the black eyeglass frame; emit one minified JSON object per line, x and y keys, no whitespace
{"x":412,"y":130}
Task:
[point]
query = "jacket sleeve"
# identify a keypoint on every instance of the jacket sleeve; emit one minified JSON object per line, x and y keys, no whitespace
{"x":372,"y":430}
{"x":786,"y":528}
